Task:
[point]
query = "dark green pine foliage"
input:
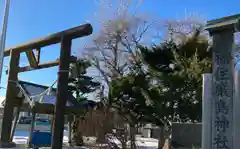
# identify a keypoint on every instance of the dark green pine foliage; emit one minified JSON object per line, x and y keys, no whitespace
{"x":80,"y":85}
{"x":177,"y":72}
{"x":127,"y":98}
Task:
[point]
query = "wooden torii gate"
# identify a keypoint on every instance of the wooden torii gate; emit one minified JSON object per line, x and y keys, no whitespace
{"x":65,"y":39}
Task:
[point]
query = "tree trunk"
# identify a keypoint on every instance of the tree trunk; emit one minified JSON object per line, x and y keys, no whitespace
{"x":161,"y":138}
{"x":70,"y":121}
{"x":106,"y":125}
{"x":103,"y":126}
{"x":77,"y":138}
{"x":125,"y":137}
{"x":132,"y":136}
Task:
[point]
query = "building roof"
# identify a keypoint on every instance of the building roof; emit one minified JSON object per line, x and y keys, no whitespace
{"x":33,"y":91}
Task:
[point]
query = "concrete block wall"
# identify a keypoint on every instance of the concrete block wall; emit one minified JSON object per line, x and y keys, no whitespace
{"x":186,"y":135}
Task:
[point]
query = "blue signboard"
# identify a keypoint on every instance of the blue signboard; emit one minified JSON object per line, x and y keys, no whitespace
{"x":41,"y":138}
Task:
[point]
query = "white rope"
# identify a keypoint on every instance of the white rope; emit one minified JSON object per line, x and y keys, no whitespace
{"x":30,"y":98}
{"x":23,"y":92}
{"x":47,"y":91}
{"x":31,"y":102}
{"x":12,"y":81}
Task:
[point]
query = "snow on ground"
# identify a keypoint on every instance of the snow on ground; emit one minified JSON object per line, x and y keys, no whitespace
{"x":77,"y":147}
{"x":50,"y":148}
{"x":145,"y":143}
{"x":24,"y":138}
{"x":150,"y":143}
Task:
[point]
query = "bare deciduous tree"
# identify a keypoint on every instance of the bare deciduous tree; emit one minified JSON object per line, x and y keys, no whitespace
{"x":114,"y":49}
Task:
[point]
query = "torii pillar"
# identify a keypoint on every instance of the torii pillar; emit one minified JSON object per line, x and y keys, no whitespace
{"x":225,"y":116}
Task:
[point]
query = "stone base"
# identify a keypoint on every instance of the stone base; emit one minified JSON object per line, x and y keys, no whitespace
{"x":7,"y":144}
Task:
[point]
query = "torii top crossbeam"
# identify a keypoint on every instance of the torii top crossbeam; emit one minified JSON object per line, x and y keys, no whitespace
{"x":72,"y":33}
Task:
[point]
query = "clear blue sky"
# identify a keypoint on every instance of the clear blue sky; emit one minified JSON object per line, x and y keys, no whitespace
{"x":30,"y":19}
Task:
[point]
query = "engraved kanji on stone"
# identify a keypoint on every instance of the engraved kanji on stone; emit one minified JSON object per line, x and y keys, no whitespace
{"x":221,"y":107}
{"x":220,"y":142}
{"x":222,"y":73}
{"x":221,"y":123}
{"x":222,"y":58}
{"x":221,"y":88}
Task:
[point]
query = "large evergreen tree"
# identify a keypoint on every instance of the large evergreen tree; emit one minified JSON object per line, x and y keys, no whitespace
{"x":178,"y":69}
{"x":171,"y":88}
{"x":80,"y":85}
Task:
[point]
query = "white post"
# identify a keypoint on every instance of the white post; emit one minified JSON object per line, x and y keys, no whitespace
{"x":207,"y":111}
{"x":3,"y":35}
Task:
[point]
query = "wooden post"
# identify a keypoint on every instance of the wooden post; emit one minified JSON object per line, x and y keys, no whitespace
{"x":38,"y":52}
{"x":15,"y":123}
{"x":32,"y":59}
{"x":52,"y":122}
{"x":10,"y":98}
{"x":31,"y":129}
{"x":62,"y":89}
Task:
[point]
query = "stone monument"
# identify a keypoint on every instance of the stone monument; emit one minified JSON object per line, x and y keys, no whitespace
{"x":224,"y":131}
